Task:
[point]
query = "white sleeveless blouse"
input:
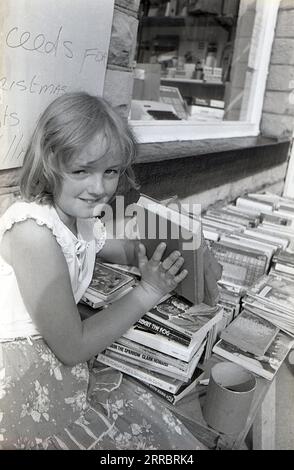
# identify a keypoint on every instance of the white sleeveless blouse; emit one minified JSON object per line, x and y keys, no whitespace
{"x":79,"y":252}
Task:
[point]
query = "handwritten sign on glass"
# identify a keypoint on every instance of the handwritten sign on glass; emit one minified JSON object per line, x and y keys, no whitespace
{"x":46,"y":49}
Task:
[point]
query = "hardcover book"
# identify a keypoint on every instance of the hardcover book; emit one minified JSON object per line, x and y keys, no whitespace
{"x":156,"y":223}
{"x":265,"y":365}
{"x":250,"y":333}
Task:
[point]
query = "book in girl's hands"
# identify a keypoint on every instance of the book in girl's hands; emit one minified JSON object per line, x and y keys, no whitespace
{"x":250,"y":333}
{"x":107,"y":284}
{"x":265,"y":365}
{"x":156,"y":223}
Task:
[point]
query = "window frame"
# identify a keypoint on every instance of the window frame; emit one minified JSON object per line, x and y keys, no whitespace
{"x":259,"y":59}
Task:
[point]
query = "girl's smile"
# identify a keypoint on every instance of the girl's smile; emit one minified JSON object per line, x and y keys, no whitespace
{"x":89,"y":183}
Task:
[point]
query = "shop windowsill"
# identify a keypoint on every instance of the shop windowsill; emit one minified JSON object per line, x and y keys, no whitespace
{"x":159,"y":151}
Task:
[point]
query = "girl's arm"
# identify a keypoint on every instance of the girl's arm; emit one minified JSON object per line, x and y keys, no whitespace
{"x":121,"y":251}
{"x":44,"y":283}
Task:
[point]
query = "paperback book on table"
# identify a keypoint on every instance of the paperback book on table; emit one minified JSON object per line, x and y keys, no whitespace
{"x":266,"y":365}
{"x":250,"y":332}
{"x":107,"y":284}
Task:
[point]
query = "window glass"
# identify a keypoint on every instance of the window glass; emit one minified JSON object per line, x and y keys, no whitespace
{"x":193,"y":60}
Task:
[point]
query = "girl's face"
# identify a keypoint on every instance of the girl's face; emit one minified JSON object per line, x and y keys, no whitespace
{"x":89,"y":183}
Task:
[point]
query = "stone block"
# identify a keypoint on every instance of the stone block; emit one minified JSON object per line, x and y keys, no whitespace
{"x":286,"y":5}
{"x":123,"y":39}
{"x":283,"y":51}
{"x":280,"y":78}
{"x":284,"y":28}
{"x":270,"y":179}
{"x":278,"y":102}
{"x":275,"y":125}
{"x":118,"y":89}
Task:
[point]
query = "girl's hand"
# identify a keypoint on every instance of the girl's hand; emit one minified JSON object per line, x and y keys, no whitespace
{"x":160,"y":277}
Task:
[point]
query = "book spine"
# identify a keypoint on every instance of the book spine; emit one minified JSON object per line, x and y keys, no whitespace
{"x":164,"y":330}
{"x":146,"y":358}
{"x":141,"y":375}
{"x":151,"y":367}
{"x":154,"y":341}
{"x":170,"y":397}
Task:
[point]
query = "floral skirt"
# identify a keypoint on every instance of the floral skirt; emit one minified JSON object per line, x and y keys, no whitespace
{"x":47,"y":405}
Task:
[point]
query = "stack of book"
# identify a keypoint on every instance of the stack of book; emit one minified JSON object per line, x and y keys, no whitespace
{"x":164,"y":348}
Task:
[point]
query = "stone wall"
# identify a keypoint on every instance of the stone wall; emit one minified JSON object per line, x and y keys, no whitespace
{"x":278,"y":109}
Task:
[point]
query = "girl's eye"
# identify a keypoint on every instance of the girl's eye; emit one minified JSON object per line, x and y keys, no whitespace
{"x":112,"y":171}
{"x":78,"y":172}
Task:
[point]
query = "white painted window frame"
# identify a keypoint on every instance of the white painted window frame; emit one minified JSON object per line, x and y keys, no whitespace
{"x":259,"y":57}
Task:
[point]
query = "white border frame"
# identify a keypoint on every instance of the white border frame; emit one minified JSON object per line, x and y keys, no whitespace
{"x":259,"y":57}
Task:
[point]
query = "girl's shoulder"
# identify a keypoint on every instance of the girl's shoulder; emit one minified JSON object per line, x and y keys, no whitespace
{"x":20,"y":211}
{"x":43,"y":215}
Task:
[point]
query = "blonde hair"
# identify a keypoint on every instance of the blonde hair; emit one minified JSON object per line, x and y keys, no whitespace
{"x":66,"y":126}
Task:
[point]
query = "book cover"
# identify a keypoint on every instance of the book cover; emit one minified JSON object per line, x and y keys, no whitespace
{"x":250,"y":333}
{"x":162,"y":343}
{"x":169,"y":384}
{"x":157,"y":326}
{"x":266,"y":365}
{"x":167,"y":346}
{"x":156,"y":223}
{"x":107,"y":282}
{"x":177,"y":313}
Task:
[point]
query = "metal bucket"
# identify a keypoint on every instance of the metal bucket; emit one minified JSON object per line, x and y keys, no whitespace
{"x":229,"y":396}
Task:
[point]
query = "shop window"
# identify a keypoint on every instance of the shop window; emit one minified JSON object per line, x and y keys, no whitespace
{"x":201,"y":68}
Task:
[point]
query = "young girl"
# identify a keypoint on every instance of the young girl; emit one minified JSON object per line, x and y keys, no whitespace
{"x":72,"y":168}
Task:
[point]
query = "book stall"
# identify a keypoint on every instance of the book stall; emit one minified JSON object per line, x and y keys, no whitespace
{"x":173,"y":348}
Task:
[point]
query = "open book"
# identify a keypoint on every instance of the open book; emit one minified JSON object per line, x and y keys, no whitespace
{"x":156,"y":223}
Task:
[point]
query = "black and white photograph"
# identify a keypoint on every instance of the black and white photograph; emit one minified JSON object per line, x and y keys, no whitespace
{"x":146,"y":229}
